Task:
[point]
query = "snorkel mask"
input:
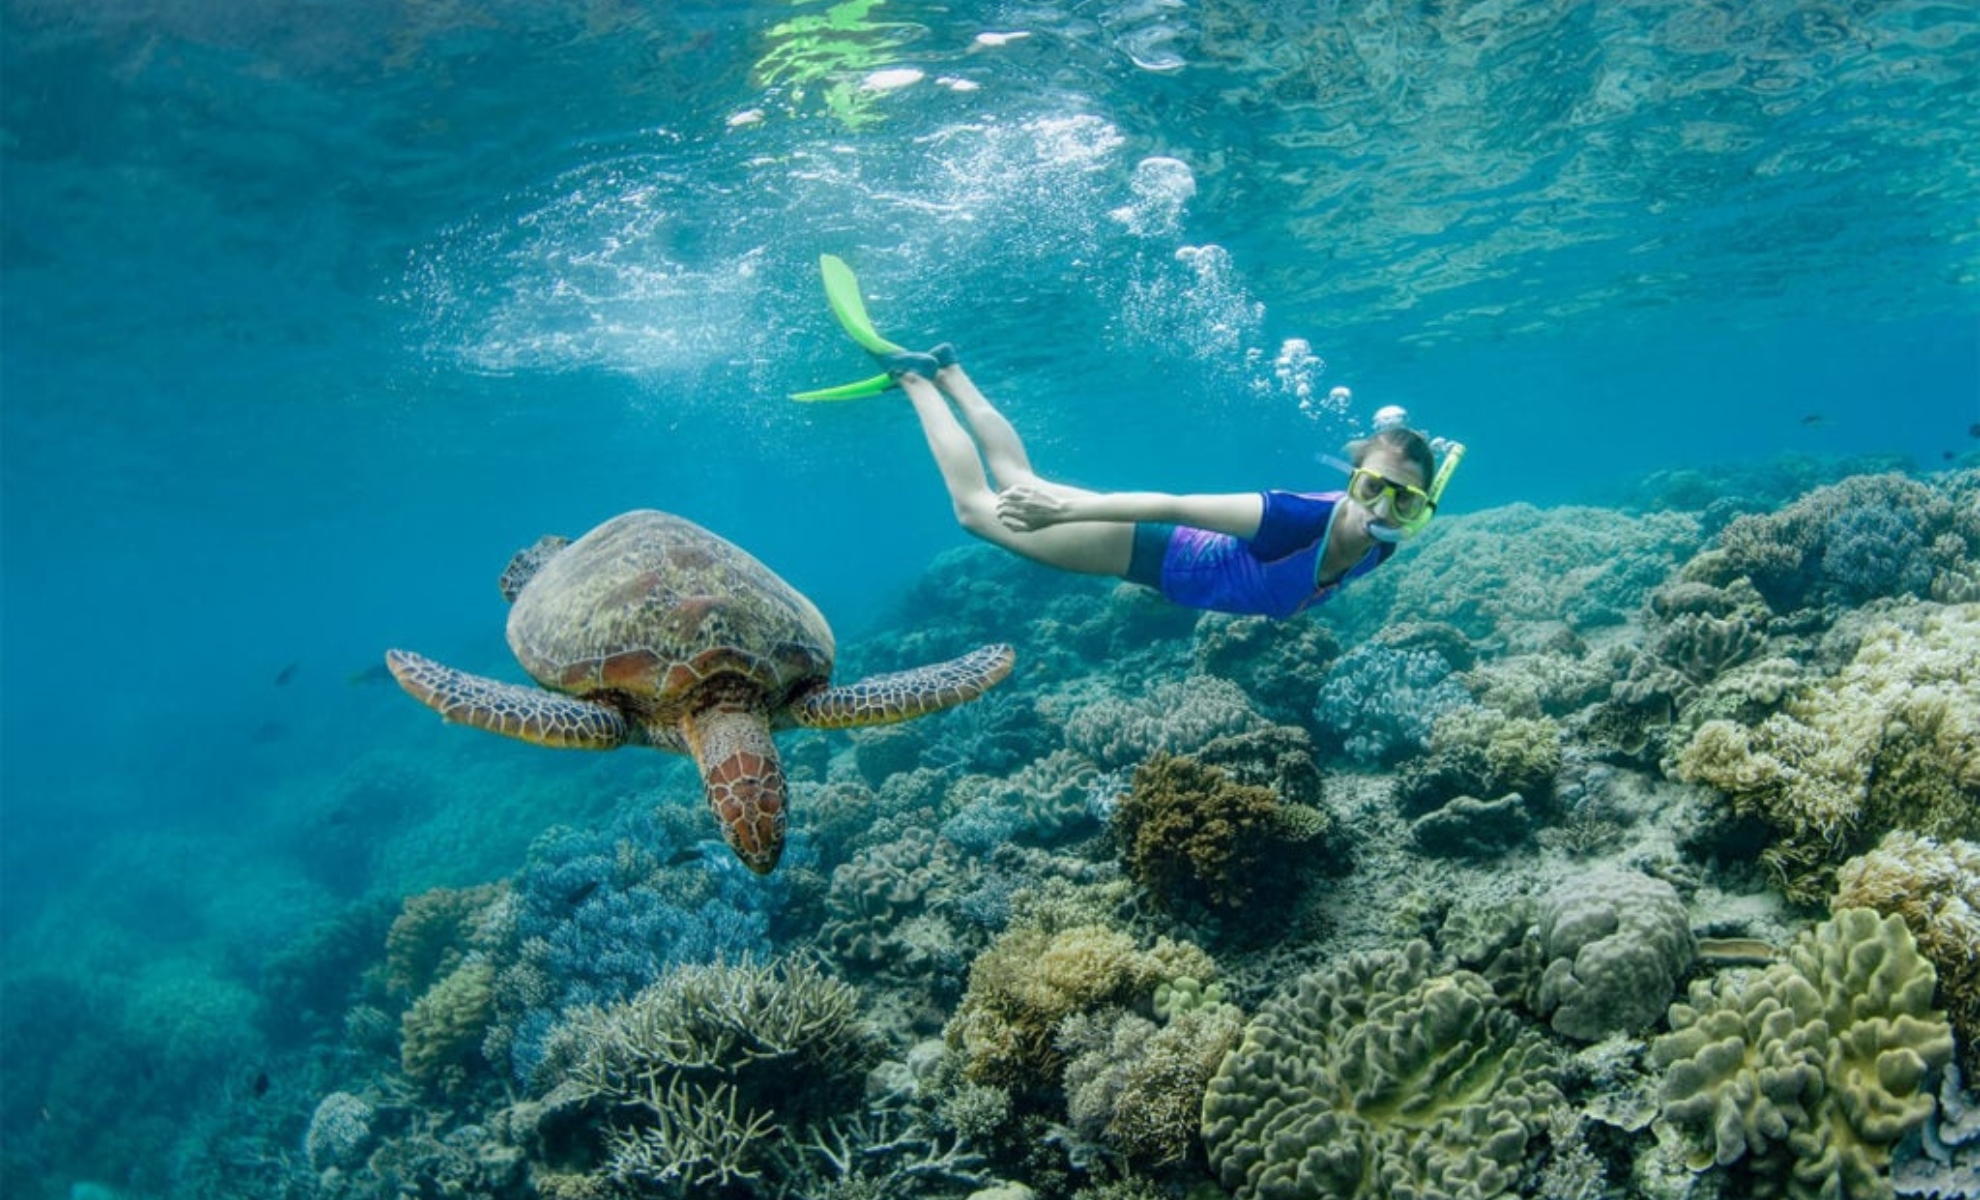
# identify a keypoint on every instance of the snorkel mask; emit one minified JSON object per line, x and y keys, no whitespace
{"x":1449,"y":455}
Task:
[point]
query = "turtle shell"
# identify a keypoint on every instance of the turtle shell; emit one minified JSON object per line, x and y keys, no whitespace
{"x":659,"y":617}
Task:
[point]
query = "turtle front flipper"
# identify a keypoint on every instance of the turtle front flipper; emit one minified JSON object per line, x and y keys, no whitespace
{"x":904,"y":695}
{"x":546,"y":718}
{"x":742,"y":779}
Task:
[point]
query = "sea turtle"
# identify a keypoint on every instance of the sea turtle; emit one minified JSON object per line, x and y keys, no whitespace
{"x":652,"y":631}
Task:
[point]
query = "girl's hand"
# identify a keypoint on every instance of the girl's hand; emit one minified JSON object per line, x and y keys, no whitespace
{"x":1025,"y":507}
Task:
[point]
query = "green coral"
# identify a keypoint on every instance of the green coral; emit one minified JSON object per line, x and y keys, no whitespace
{"x":1812,"y":1069}
{"x":1891,"y":741}
{"x":441,"y":1034}
{"x":432,"y":933}
{"x":1935,"y":887}
{"x":1191,"y":835}
{"x":1380,"y":1078}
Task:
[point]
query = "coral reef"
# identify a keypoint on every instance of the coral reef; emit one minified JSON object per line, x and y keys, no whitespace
{"x":1891,"y":741}
{"x":1613,"y":944}
{"x":1381,"y":700}
{"x":1380,"y":1077}
{"x":1865,"y":537}
{"x":1809,"y":1071}
{"x":444,"y":1029}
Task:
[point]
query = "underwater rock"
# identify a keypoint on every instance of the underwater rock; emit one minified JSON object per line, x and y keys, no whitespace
{"x":1468,"y":827}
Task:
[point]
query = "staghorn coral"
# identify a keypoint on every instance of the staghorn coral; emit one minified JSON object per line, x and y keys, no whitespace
{"x":1890,"y":741}
{"x":699,"y":1075}
{"x":1614,"y":943}
{"x":1377,"y":1078}
{"x":1934,"y":887}
{"x":1812,"y":1069}
{"x":1191,"y":835}
{"x":1030,"y":980}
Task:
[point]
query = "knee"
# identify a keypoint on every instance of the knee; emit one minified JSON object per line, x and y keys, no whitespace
{"x":978,"y":515}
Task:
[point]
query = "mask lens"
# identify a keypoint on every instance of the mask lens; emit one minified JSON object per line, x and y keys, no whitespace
{"x":1410,"y":504}
{"x":1365,"y":486}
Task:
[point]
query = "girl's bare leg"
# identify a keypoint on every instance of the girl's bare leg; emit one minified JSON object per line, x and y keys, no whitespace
{"x":1089,"y":547}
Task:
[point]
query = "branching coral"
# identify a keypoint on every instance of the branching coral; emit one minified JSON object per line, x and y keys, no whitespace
{"x":1891,"y":741}
{"x":1377,"y":1078}
{"x":1814,"y":1068}
{"x":695,"y":1073}
{"x":1935,"y":887}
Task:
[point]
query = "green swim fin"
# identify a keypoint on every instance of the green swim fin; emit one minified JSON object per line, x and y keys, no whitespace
{"x":849,"y":391}
{"x":842,"y":294}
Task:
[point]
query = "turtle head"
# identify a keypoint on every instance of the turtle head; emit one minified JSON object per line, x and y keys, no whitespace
{"x":743,"y":782}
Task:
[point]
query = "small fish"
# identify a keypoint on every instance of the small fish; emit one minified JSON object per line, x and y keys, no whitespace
{"x":1947,"y":455}
{"x":1973,"y":430}
{"x":283,"y":676}
{"x":1813,"y":419}
{"x":260,"y":1084}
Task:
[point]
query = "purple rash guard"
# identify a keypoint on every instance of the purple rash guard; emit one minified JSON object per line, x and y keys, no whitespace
{"x":1274,"y":573}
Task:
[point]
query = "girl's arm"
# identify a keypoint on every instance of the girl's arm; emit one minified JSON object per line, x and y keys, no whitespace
{"x":1026,"y":507}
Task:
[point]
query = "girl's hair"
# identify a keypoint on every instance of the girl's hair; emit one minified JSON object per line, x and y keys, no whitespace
{"x":1406,"y":442}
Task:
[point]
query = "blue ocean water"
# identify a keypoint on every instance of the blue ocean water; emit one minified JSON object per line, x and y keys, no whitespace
{"x":311,"y":315}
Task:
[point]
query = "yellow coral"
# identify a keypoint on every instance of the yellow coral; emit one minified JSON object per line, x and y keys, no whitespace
{"x":1029,"y":980}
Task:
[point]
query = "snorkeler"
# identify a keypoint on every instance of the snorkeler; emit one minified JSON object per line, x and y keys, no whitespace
{"x":1271,"y":553}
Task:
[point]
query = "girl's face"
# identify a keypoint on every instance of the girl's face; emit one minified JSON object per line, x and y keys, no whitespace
{"x":1386,"y":487}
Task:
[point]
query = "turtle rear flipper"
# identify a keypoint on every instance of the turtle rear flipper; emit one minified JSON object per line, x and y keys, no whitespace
{"x":546,"y":718}
{"x":904,"y":695}
{"x":527,"y":562}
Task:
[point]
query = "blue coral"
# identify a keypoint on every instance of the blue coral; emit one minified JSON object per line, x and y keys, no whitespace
{"x":597,"y":917}
{"x":1380,"y":701}
{"x":1875,"y":551}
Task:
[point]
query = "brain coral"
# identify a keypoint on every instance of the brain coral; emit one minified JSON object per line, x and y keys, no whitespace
{"x":1615,"y":942}
{"x":1379,"y":1078}
{"x":1891,"y":741}
{"x":1812,"y":1069}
